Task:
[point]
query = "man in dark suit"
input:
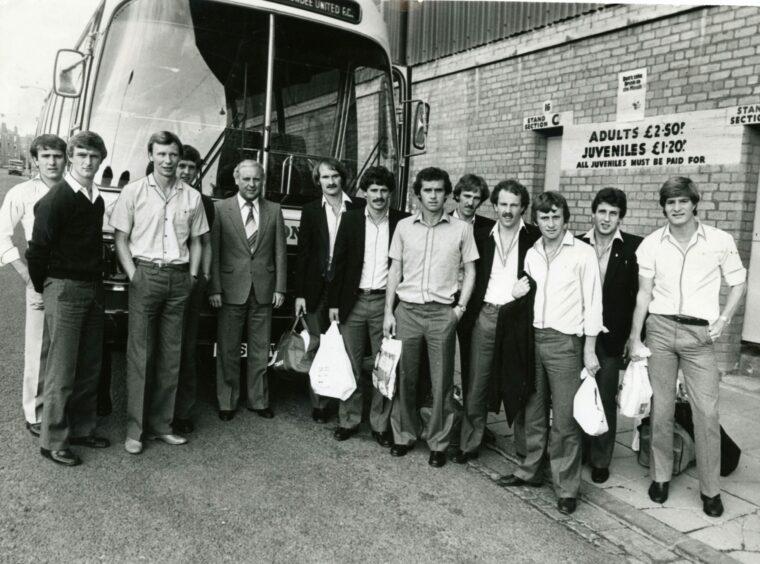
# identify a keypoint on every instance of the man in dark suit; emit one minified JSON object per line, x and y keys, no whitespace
{"x":619,"y":270}
{"x":248,"y":277}
{"x":357,"y":294}
{"x":320,"y":220}
{"x":502,"y":253}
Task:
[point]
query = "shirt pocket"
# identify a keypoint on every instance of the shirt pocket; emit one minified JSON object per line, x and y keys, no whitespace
{"x":181,"y":221}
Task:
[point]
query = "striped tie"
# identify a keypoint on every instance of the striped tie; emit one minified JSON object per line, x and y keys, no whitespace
{"x":251,"y":230}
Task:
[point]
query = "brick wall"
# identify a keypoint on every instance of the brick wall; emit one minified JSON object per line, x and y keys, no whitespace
{"x":697,"y":59}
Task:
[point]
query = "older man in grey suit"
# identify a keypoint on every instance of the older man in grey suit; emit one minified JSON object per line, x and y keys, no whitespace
{"x":248,"y":277}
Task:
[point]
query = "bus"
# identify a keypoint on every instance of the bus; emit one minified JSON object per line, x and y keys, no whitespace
{"x":285,"y":82}
{"x":16,"y":166}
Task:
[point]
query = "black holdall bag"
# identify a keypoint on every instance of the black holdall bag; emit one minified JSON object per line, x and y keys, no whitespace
{"x":730,"y":453}
{"x":291,"y":353}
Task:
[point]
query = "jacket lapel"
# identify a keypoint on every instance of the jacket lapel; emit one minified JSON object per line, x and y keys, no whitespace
{"x":233,"y":211}
{"x":616,"y":257}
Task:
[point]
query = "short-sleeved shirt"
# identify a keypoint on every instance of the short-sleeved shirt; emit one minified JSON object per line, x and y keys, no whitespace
{"x":159,"y":227}
{"x":687,"y":282}
{"x":18,"y":206}
{"x":430,"y":256}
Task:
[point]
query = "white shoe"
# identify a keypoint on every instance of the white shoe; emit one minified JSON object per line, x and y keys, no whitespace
{"x":133,"y":446}
{"x":168,"y":439}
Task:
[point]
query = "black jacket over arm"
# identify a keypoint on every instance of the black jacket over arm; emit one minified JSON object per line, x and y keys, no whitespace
{"x":348,"y":258}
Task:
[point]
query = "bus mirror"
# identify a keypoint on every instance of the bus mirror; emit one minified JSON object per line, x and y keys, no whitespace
{"x":421,"y":117}
{"x":69,"y":73}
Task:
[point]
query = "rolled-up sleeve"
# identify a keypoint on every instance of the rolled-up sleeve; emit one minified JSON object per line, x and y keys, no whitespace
{"x":731,"y":265}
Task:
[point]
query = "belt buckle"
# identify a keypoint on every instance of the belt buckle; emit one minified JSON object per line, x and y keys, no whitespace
{"x":365,"y":291}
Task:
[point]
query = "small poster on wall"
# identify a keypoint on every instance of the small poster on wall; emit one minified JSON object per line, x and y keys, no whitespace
{"x":632,"y":94}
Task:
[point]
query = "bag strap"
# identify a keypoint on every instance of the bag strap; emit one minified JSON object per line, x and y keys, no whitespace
{"x":299,"y":317}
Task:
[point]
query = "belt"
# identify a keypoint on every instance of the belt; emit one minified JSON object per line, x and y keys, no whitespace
{"x":489,"y":305}
{"x":184,"y":267}
{"x":688,"y":320}
{"x":366,"y":292}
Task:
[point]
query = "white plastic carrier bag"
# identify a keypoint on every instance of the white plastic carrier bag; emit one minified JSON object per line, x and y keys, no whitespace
{"x":384,"y":372}
{"x":635,"y":393}
{"x":587,"y":407}
{"x":331,"y":374}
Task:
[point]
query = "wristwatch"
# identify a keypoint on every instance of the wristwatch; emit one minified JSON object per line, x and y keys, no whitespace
{"x":726,"y":320}
{"x":462,"y":307}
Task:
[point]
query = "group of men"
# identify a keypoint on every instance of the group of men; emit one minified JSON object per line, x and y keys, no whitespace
{"x":426,"y":279}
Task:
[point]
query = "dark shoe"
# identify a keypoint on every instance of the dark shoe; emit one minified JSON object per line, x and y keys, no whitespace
{"x":64,"y":457}
{"x":512,"y":481}
{"x":658,"y":492}
{"x":342,"y":433}
{"x":91,"y":442}
{"x":319,"y":415}
{"x":183,"y":425}
{"x":712,"y":506}
{"x":400,"y":450}
{"x":437,"y":458}
{"x":226,"y":415}
{"x":384,"y":439}
{"x":266,"y":413}
{"x":462,"y":457}
{"x":34,"y":428}
{"x":599,"y":475}
{"x":566,"y":505}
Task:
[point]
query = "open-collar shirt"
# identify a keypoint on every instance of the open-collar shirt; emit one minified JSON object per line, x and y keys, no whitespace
{"x":602,"y":253}
{"x":333,"y":220}
{"x":504,"y":268}
{"x":77,"y":187}
{"x":376,"y":241}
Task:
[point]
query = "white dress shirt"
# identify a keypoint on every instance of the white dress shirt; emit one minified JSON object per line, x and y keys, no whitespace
{"x":504,"y":268}
{"x":243,"y":203}
{"x":333,"y":220}
{"x":77,"y":187}
{"x":18,"y":206}
{"x":569,"y":290}
{"x":376,"y":241}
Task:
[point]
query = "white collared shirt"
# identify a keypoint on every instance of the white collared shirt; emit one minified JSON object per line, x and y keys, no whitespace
{"x":18,"y":206}
{"x":333,"y":221}
{"x":569,"y":289}
{"x":243,"y":203}
{"x":687,"y":282}
{"x":376,"y":241}
{"x":602,"y":254}
{"x":77,"y":187}
{"x":504,"y":268}
{"x":460,"y":218}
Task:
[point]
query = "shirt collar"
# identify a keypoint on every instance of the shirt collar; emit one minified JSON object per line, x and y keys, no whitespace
{"x":666,"y":234}
{"x":592,"y":238}
{"x":382,"y":219}
{"x":495,"y":228}
{"x":77,"y":187}
{"x":344,"y":200}
{"x":177,"y":184}
{"x":455,"y":213}
{"x":418,"y":217}
{"x":242,"y":202}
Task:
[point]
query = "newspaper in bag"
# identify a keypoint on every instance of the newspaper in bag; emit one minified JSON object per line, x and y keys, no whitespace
{"x":331,"y":374}
{"x":384,"y":373}
{"x":587,"y":407}
{"x":635,"y":394}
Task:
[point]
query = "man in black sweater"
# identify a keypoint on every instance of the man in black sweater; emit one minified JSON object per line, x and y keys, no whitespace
{"x":66,"y":266}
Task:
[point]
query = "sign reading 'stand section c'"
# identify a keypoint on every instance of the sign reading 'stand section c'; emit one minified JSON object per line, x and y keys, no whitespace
{"x":685,"y":139}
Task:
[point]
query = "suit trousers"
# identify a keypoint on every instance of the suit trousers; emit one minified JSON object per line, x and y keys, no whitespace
{"x":478,"y":379}
{"x":154,"y":346}
{"x":74,"y":319}
{"x":435,"y":325}
{"x":559,"y":360}
{"x":187,"y":385}
{"x":366,"y":317}
{"x":607,"y":379}
{"x":36,"y":342}
{"x":690,"y":348}
{"x":317,"y":322}
{"x":258,"y":320}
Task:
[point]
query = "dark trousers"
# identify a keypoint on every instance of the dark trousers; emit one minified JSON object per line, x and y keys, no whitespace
{"x":187,"y":385}
{"x":74,"y":320}
{"x":607,"y":379}
{"x":258,"y":320}
{"x":317,"y":322}
{"x":154,"y":346}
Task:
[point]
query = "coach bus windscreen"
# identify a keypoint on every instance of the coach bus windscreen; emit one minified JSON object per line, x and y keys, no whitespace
{"x":198,"y":68}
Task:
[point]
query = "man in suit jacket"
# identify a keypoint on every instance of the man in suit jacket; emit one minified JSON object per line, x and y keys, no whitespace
{"x":357,"y":294}
{"x":619,"y":270}
{"x":248,"y":277}
{"x":320,"y":220}
{"x":502,"y":253}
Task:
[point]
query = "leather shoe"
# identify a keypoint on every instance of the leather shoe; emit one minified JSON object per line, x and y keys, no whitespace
{"x":64,"y":457}
{"x":319,"y":415}
{"x":183,"y":425}
{"x":343,"y":433}
{"x":437,"y":458}
{"x":566,"y":505}
{"x":384,"y":439}
{"x":266,"y":413}
{"x":169,"y":439}
{"x":599,"y":475}
{"x":34,"y":428}
{"x":511,"y":481}
{"x":712,"y":506}
{"x":400,"y":450}
{"x":133,"y":446}
{"x":91,"y":442}
{"x":658,"y":492}
{"x":462,"y":457}
{"x":226,"y":415}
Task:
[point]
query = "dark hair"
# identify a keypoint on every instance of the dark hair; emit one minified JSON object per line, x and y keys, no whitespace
{"x":514,"y":187}
{"x":190,"y":153}
{"x":545,"y":201}
{"x":87,"y":140}
{"x":378,"y":175}
{"x":471,"y":183}
{"x":334,"y":164}
{"x":429,"y":174}
{"x":47,"y":141}
{"x":679,"y":186}
{"x":612,"y":196}
{"x":163,"y":138}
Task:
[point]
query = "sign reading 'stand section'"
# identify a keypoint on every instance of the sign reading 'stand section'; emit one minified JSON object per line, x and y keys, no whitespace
{"x":685,"y":139}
